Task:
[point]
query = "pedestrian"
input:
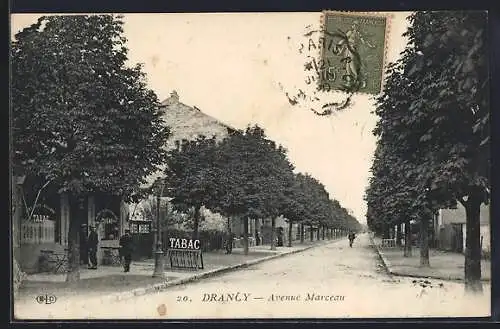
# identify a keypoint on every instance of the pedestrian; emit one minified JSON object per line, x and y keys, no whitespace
{"x":84,"y":253}
{"x":351,"y":237}
{"x":92,"y":242}
{"x":126,"y":248}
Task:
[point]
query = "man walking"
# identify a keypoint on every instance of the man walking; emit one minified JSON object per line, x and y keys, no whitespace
{"x":92,"y":242}
{"x":351,"y":237}
{"x":126,"y":250}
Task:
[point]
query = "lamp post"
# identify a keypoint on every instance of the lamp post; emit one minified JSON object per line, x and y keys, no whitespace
{"x":159,"y":271}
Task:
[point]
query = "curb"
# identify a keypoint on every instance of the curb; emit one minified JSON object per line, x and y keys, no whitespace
{"x":391,"y":272}
{"x":381,"y":257}
{"x":167,"y":284}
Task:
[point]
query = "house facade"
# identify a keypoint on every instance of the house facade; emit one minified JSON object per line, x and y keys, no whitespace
{"x":46,"y":225}
{"x":452,"y":233}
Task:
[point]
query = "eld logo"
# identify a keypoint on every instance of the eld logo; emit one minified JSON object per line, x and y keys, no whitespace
{"x":46,"y":299}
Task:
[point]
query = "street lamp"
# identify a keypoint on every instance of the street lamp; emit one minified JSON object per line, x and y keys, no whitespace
{"x":159,"y":271}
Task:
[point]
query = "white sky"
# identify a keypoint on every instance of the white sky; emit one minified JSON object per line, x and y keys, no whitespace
{"x":232,"y":65}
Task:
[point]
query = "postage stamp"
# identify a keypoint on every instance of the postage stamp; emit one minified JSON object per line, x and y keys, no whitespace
{"x":353,"y":51}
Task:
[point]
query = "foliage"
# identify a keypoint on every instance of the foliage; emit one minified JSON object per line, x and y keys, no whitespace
{"x":433,"y":147}
{"x":74,"y":102}
{"x":253,"y":175}
{"x":190,"y":175}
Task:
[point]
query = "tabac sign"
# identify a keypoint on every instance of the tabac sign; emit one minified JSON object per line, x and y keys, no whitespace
{"x":42,"y":213}
{"x":185,"y":253}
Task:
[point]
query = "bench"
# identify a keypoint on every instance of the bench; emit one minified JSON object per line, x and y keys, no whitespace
{"x":185,"y":258}
{"x":111,"y":256}
{"x":53,"y":261}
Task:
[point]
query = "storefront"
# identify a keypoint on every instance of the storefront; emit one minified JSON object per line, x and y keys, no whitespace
{"x":45,"y":225}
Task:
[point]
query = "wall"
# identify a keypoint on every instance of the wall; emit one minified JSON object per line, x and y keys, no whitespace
{"x":448,"y":216}
{"x":458,"y":216}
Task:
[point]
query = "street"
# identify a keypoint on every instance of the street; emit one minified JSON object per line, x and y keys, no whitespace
{"x":330,"y":281}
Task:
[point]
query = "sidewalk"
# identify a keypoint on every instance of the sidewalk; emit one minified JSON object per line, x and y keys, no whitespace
{"x":112,"y":283}
{"x":444,"y":265}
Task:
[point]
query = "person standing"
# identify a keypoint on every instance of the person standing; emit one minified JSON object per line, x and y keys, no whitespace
{"x":84,"y":253}
{"x":126,"y":250}
{"x":92,"y":242}
{"x":351,"y":237}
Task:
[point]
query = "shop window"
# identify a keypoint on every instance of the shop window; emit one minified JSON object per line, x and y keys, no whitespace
{"x":109,"y":225}
{"x":144,"y":228}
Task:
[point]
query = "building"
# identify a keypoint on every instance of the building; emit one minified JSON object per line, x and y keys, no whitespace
{"x":48,"y":225}
{"x":452,"y":231}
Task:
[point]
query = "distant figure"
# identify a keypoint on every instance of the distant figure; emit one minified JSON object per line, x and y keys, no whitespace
{"x":92,"y":242}
{"x":351,"y":237}
{"x":84,"y":256}
{"x":257,"y":238}
{"x":126,"y":250}
{"x":280,"y":237}
{"x":229,"y":242}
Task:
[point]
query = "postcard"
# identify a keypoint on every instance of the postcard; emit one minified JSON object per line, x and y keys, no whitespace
{"x":273,"y":165}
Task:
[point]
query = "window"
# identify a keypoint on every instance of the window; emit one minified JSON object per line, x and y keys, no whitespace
{"x":144,"y":228}
{"x":111,"y":228}
{"x":134,"y":228}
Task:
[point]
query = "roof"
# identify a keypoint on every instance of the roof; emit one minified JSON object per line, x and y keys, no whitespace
{"x":188,"y":122}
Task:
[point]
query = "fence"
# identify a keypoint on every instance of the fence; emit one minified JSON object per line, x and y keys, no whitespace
{"x":388,"y":243}
{"x":38,"y":232}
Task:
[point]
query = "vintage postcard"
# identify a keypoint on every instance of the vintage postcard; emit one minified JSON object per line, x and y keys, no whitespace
{"x":250,"y":165}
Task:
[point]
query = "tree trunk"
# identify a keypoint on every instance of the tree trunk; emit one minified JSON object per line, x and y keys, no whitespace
{"x":290,"y":226}
{"x":407,"y":250}
{"x":398,"y":235}
{"x":323,"y":232}
{"x":18,"y":276}
{"x":229,"y":239}
{"x":473,"y":246}
{"x":273,"y":233}
{"x":386,"y":234}
{"x":245,"y":235}
{"x":317,"y":234}
{"x":196,"y":223}
{"x":311,"y":232}
{"x":424,"y":240}
{"x":301,"y":233}
{"x":75,"y":220}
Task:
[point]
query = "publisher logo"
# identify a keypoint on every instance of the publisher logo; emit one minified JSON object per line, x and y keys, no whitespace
{"x":46,"y":299}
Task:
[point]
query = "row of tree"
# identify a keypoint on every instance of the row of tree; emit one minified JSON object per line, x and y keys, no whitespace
{"x":84,"y":122}
{"x":247,"y":176}
{"x":433,"y":131}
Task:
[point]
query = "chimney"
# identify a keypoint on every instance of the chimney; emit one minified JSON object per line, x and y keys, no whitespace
{"x":174,"y":97}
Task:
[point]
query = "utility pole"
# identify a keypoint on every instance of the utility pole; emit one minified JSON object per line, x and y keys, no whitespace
{"x":159,"y":271}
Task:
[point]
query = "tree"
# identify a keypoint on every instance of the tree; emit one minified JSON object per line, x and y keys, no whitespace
{"x":253,"y":174}
{"x":444,"y":119}
{"x":74,"y":102}
{"x":455,"y":98}
{"x":191,"y":176}
{"x":294,"y":205}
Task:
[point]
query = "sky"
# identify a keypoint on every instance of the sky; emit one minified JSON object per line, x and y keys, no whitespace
{"x":238,"y":67}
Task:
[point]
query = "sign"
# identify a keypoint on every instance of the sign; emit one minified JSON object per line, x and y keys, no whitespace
{"x":185,"y":254}
{"x":176,"y":243}
{"x":140,"y":228}
{"x":42,"y":213}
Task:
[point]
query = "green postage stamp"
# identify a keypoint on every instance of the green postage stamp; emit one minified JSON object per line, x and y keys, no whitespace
{"x":354,"y":50}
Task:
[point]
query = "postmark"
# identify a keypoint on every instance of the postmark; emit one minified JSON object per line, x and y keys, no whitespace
{"x":353,"y":51}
